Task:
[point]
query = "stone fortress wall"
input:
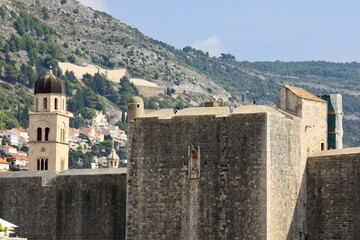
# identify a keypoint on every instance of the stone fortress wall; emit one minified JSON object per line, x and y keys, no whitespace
{"x":74,"y":204}
{"x":164,"y":203}
{"x":334,"y":194}
{"x":201,"y":173}
{"x":253,"y":170}
{"x":252,"y":167}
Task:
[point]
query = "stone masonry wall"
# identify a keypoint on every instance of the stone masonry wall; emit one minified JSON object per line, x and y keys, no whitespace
{"x":314,"y":115}
{"x":228,"y":201}
{"x":28,"y":202}
{"x":333,"y":197}
{"x":75,"y":204}
{"x":286,"y":169}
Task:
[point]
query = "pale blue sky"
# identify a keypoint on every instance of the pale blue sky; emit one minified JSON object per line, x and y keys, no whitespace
{"x":254,"y":30}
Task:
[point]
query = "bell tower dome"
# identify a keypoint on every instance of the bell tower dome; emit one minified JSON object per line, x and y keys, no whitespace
{"x":49,"y":126}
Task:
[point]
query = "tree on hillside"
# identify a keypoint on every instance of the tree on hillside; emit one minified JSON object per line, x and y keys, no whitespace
{"x":11,"y":73}
{"x":7,"y":121}
{"x":77,"y":102}
{"x":24,"y":117}
{"x":227,"y":57}
{"x":20,"y":26}
{"x":15,"y":43}
{"x":2,"y":11}
{"x":127,"y":91}
{"x":123,"y":116}
{"x":2,"y":43}
{"x":45,"y":13}
{"x":88,"y":113}
{"x":77,"y":122}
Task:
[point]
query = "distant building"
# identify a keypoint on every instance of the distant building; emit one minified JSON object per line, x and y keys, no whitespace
{"x":95,"y":163}
{"x":11,"y":137}
{"x":18,"y":160}
{"x":49,"y":126}
{"x":335,"y":117}
{"x":118,"y":135}
{"x":73,"y":133}
{"x":8,"y":229}
{"x":113,"y":159}
{"x":7,"y":149}
{"x":103,"y":161}
{"x":22,"y":134}
{"x":99,"y":119}
{"x":4,"y":165}
{"x":115,"y":116}
{"x":95,"y":136}
{"x":74,"y":140}
{"x":311,"y":109}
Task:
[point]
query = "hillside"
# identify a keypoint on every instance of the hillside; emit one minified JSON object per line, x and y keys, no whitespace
{"x":36,"y":34}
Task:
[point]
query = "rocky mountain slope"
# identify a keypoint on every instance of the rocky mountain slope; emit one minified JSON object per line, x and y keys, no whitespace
{"x":35,"y":34}
{"x":95,"y":37}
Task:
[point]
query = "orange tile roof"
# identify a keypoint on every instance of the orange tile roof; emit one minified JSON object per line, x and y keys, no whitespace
{"x":3,"y":161}
{"x":14,"y":155}
{"x":21,"y":153}
{"x":8,"y":132}
{"x":8,"y":146}
{"x":20,"y":129}
{"x":73,"y":130}
{"x":302,"y":93}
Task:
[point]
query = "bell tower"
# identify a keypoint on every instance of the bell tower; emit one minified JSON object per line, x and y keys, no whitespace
{"x":49,"y":126}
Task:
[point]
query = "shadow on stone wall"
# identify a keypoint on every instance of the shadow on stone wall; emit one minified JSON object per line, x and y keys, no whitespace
{"x":298,"y":228}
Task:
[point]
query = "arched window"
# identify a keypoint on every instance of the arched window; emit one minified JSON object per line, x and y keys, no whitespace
{"x":39,"y":134}
{"x":63,"y":135}
{"x":56,"y":104}
{"x":42,"y":164}
{"x":47,"y":131}
{"x":45,"y":104}
{"x":36,"y":104}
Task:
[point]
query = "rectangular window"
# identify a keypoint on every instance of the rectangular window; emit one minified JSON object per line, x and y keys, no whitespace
{"x":45,"y":104}
{"x":39,"y":134}
{"x":47,"y":131}
{"x":322,"y":146}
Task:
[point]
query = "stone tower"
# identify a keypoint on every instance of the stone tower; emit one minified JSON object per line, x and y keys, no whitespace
{"x":113,"y":159}
{"x":49,"y":126}
{"x":135,"y":108}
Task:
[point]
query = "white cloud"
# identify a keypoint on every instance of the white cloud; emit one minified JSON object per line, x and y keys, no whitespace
{"x":96,"y":4}
{"x":212,"y":45}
